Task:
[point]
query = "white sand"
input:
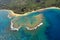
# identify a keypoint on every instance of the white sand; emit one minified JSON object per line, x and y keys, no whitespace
{"x":15,"y":14}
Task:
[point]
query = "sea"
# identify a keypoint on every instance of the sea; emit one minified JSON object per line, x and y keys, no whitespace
{"x":50,"y":30}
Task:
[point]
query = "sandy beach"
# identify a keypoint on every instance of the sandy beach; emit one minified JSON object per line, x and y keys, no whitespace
{"x":39,"y":10}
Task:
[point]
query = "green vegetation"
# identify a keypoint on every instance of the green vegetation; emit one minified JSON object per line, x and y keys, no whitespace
{"x":22,"y":6}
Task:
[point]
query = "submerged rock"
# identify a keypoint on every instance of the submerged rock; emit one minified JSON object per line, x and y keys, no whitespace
{"x":30,"y":21}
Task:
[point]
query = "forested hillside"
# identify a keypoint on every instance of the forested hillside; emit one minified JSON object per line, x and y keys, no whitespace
{"x":22,"y":6}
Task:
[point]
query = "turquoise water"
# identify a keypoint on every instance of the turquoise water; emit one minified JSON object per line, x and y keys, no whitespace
{"x":50,"y":30}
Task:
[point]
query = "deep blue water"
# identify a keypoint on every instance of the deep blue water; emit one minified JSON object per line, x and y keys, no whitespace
{"x":53,"y":16}
{"x":49,"y":31}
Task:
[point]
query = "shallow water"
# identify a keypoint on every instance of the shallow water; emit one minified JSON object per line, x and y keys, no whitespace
{"x":50,"y":30}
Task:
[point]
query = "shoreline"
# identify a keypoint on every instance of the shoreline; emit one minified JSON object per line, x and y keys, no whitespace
{"x":27,"y":14}
{"x":39,"y":10}
{"x":11,"y":14}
